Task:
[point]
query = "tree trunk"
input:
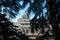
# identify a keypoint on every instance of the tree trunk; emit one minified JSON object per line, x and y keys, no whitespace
{"x":53,"y":19}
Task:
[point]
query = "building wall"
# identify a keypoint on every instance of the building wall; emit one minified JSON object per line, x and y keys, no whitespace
{"x":23,"y":23}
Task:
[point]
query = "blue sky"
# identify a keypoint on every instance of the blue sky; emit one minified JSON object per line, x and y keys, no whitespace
{"x":22,"y":11}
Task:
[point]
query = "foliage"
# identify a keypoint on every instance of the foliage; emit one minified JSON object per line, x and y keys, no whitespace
{"x":11,"y":8}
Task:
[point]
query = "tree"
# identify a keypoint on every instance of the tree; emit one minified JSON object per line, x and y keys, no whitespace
{"x":6,"y":27}
{"x":10,"y":7}
{"x":37,"y":6}
{"x":53,"y":13}
{"x":53,"y":9}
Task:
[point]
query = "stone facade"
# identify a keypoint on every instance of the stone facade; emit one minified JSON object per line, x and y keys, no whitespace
{"x":23,"y":23}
